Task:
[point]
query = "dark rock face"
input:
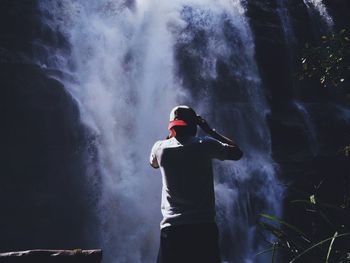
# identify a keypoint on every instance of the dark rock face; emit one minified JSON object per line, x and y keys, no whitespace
{"x":44,"y":192}
{"x":289,"y":133}
{"x":302,"y":167}
{"x":339,"y":9}
{"x":270,"y":50}
{"x":18,"y":23}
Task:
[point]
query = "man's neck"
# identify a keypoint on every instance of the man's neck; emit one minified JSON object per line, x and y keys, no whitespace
{"x":183,"y":138}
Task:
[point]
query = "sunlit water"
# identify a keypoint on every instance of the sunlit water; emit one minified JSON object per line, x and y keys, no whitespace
{"x":286,"y":22}
{"x":317,"y":9}
{"x":124,"y":73}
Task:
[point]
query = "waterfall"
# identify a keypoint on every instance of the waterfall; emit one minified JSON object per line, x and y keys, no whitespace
{"x":322,"y":23}
{"x":288,"y":30}
{"x":309,"y":127}
{"x":343,"y":113}
{"x":318,"y":12}
{"x":126,"y":65}
{"x":290,"y":40}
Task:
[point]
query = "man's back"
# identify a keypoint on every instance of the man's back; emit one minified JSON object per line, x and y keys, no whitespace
{"x":188,"y":229}
{"x":187,"y":174}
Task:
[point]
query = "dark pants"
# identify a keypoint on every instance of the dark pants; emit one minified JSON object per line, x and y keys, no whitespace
{"x":193,"y":243}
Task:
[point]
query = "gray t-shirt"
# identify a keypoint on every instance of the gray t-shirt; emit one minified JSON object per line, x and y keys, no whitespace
{"x":187,"y":175}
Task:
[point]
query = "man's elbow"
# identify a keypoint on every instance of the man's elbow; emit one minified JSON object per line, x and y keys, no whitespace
{"x":154,"y":165}
{"x":235,"y":154}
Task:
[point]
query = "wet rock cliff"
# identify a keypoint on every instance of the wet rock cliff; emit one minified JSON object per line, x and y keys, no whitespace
{"x":43,"y":190}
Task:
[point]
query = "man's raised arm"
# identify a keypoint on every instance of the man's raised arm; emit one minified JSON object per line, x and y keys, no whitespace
{"x":234,"y":153}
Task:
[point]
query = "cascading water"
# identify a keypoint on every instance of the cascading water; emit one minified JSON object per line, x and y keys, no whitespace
{"x":310,"y":127}
{"x":290,"y":39}
{"x":318,"y":12}
{"x":226,"y":84}
{"x":322,"y":23}
{"x":288,"y":31}
{"x":129,"y":63}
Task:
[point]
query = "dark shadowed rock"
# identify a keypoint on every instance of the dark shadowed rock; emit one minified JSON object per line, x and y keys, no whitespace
{"x":305,"y":158}
{"x":44,"y":185}
{"x":48,"y":182}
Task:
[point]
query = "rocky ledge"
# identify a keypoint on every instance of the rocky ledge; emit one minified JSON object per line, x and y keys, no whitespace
{"x":50,"y":256}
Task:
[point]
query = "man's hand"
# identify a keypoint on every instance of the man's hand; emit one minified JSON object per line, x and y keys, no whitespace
{"x":201,"y":122}
{"x":235,"y":152}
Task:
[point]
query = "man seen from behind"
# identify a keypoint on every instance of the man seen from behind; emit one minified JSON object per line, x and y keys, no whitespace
{"x":189,"y":233}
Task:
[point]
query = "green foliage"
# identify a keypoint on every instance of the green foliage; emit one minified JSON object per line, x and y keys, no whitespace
{"x":328,"y":61}
{"x":296,"y":246}
{"x":346,"y":151}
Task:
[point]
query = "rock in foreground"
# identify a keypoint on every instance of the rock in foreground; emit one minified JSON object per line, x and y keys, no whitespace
{"x":50,"y":256}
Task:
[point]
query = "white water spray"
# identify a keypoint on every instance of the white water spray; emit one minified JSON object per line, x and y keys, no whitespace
{"x":319,"y":7}
{"x":288,"y":30}
{"x":123,"y":76}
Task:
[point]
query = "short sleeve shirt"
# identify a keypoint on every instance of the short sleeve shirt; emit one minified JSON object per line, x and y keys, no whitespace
{"x":187,"y":176}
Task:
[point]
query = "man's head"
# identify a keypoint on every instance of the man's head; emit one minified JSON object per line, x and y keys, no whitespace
{"x":183,"y":121}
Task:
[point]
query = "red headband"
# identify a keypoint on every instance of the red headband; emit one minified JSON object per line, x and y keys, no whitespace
{"x":176,"y":123}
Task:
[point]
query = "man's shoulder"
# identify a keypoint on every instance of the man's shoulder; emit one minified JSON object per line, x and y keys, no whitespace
{"x":206,"y":139}
{"x":156,"y":145}
{"x":172,"y":142}
{"x":162,"y":143}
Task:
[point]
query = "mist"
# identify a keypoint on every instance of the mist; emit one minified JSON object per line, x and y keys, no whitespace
{"x":126,"y":65}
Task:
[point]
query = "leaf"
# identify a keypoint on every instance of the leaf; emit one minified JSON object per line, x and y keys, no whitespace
{"x":273,"y":253}
{"x":275,"y":219}
{"x":330,"y":246}
{"x":264,"y":251}
{"x":274,"y":246}
{"x":304,"y":66}
{"x":325,"y":218}
{"x":347,"y":150}
{"x":312,"y":197}
{"x":316,"y":245}
{"x":273,"y":230}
